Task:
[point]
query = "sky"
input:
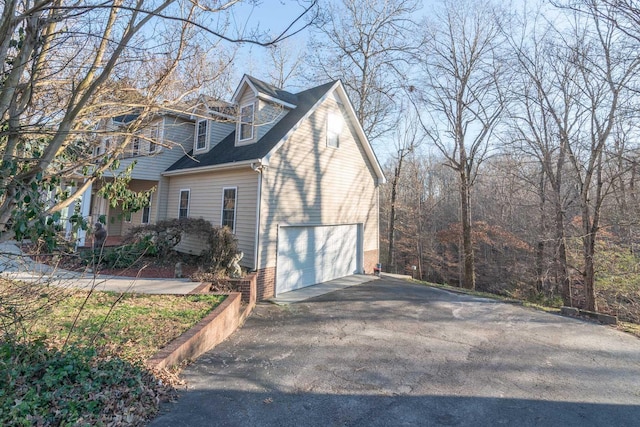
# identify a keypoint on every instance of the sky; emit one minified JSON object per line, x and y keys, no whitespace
{"x":269,"y":17}
{"x":273,"y":16}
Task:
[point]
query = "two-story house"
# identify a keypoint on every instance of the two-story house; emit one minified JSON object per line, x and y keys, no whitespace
{"x":292,"y":174}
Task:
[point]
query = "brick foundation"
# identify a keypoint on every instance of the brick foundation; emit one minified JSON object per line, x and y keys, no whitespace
{"x":370,"y":261}
{"x":247,"y":286}
{"x":266,"y":283}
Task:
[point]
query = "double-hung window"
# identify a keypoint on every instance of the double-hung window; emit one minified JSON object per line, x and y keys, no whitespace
{"x":135,"y":146}
{"x":201,"y":135}
{"x":246,"y":122}
{"x":183,"y":208}
{"x":154,"y":134}
{"x":229,"y":203}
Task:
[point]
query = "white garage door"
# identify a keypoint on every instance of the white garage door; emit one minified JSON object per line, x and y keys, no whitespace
{"x":310,"y":255}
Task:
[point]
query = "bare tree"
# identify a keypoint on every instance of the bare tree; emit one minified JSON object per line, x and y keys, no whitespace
{"x":407,"y":139}
{"x":369,"y":45}
{"x":546,"y":118}
{"x":287,"y":62}
{"x":579,"y":75}
{"x":69,"y":65}
{"x":623,"y":14}
{"x":462,"y":94}
{"x":607,"y":63}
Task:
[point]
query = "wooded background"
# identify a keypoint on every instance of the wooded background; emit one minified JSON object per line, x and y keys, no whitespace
{"x":509,"y":133}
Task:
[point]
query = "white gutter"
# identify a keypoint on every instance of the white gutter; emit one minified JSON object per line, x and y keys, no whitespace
{"x":224,"y":166}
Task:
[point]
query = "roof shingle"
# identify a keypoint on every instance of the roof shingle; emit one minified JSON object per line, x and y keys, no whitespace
{"x":226,"y":152}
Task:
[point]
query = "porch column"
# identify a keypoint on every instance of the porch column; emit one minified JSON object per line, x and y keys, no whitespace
{"x":85,"y":212}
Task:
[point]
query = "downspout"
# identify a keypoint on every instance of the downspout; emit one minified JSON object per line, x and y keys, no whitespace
{"x":378,"y":227}
{"x":259,"y":168}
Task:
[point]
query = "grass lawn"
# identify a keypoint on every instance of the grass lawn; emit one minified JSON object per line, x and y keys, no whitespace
{"x":98,"y":377}
{"x":133,"y":326}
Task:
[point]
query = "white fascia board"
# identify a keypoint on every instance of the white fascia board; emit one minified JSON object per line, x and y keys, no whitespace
{"x":224,"y":166}
{"x":268,"y":98}
{"x":258,"y":94}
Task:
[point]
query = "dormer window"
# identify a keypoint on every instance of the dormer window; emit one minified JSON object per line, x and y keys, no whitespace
{"x":154,"y":136}
{"x":135,"y":146}
{"x":246,"y":122}
{"x":201,"y":135}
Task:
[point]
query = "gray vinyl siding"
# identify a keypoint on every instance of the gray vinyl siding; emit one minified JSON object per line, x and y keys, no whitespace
{"x":309,"y":183}
{"x":205,"y":201}
{"x":266,"y":115}
{"x":177,"y":134}
{"x":219,"y":130}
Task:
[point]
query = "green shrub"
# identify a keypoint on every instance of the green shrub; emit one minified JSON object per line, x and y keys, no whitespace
{"x":161,"y":238}
{"x":119,"y":257}
{"x":222,"y":245}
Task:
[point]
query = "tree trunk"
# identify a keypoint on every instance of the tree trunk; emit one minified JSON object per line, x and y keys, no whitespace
{"x":591,"y":223}
{"x":392,"y":215}
{"x":419,"y":238}
{"x":468,"y":279}
{"x":589,"y":272}
{"x":562,"y":275}
{"x":542,"y":234}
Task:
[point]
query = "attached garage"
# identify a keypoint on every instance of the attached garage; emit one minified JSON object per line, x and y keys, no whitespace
{"x":308,"y":255}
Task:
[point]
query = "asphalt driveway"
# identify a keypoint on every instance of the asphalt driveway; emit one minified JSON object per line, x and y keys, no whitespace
{"x":389,"y":353}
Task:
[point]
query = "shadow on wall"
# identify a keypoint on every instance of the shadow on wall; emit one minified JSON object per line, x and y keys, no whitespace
{"x":340,"y":203}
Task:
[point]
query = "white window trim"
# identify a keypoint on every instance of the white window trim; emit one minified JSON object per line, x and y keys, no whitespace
{"x":339,"y":123}
{"x":188,"y":190}
{"x":149,"y":206}
{"x":135,"y":141}
{"x":103,"y":147}
{"x":154,"y":140}
{"x":253,"y":122}
{"x":206,"y":136}
{"x":235,"y":207}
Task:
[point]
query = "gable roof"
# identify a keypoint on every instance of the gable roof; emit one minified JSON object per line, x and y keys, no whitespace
{"x":266,"y":92}
{"x":212,"y":106}
{"x":227,"y":154}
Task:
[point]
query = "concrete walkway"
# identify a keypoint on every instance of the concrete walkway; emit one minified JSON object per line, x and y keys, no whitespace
{"x":303,"y":294}
{"x":17,"y":266}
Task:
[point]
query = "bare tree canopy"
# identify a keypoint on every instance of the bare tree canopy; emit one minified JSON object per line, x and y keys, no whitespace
{"x":69,"y":65}
{"x":462,"y":96}
{"x":369,"y":45}
{"x":535,"y":115}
